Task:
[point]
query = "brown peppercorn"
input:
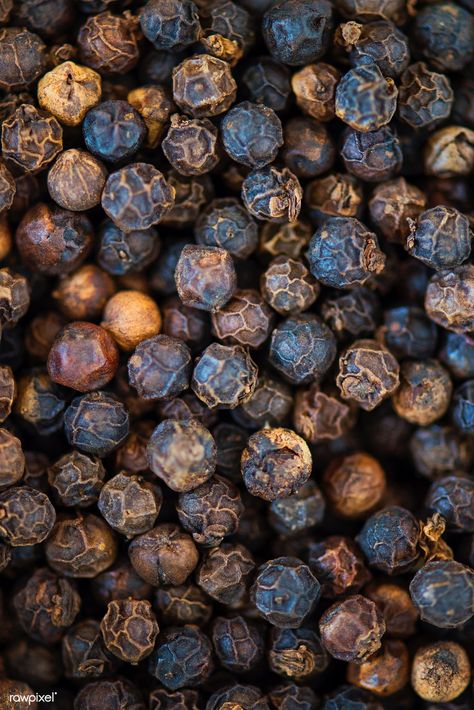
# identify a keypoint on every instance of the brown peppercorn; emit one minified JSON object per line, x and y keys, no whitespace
{"x":53,"y":241}
{"x":211,"y":511}
{"x":449,"y":298}
{"x":129,"y":629}
{"x":288,"y":239}
{"x":41,"y":332}
{"x":155,"y":107}
{"x":354,"y":486}
{"x":424,"y":393}
{"x":191,"y":145}
{"x":7,"y":188}
{"x":76,"y":180}
{"x":315,"y":89}
{"x":205,"y":277}
{"x":224,"y":573}
{"x":338,"y":565}
{"x":182,"y":454}
{"x":119,"y":582}
{"x":83,"y":357}
{"x":203,"y":86}
{"x":288,"y":286}
{"x":396,"y":606}
{"x":385,"y":673}
{"x":368,"y":373}
{"x":68,"y":92}
{"x":164,"y":555}
{"x":83,"y":294}
{"x":130,"y":503}
{"x":31,"y":139}
{"x":27,"y":516}
{"x":14,"y":297}
{"x":245,"y":319}
{"x":46,"y":606}
{"x":449,"y":152}
{"x":7,"y":392}
{"x":81,"y":546}
{"x":393,"y":205}
{"x":160,"y":367}
{"x":6,"y":239}
{"x":351,"y":629}
{"x":238,"y":643}
{"x":321,"y":416}
{"x":12,"y":459}
{"x":336,"y":195}
{"x":185,"y":604}
{"x":275,"y":463}
{"x":131,"y":456}
{"x":296,"y":654}
{"x":23,"y":58}
{"x":440,"y":672}
{"x":76,"y":479}
{"x":109,"y":43}
{"x":131,"y":316}
{"x":83,"y":653}
{"x":60,"y":53}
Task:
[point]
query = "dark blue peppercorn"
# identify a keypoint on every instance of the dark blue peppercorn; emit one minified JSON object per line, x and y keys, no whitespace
{"x":457,"y":354}
{"x":226,"y":224}
{"x":383,"y":43}
{"x":183,"y":657}
{"x":365,"y":99}
{"x":374,"y":156}
{"x":407,"y":332}
{"x":272,"y":194}
{"x":343,"y":253}
{"x":298,"y":31}
{"x":113,"y":130}
{"x":285,"y":592}
{"x":251,"y":134}
{"x":441,"y":238}
{"x":170,"y":24}
{"x":267,"y":82}
{"x":425,"y":97}
{"x":120,"y":252}
{"x":302,"y":349}
{"x":389,"y":540}
{"x":349,"y":698}
{"x":443,"y":34}
{"x":96,"y":423}
{"x":443,"y":592}
{"x":462,"y":407}
{"x":453,"y":498}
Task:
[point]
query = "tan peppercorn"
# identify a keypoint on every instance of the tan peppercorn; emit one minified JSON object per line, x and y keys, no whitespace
{"x":424,"y":393}
{"x":83,"y":294}
{"x":440,"y":671}
{"x":131,"y":316}
{"x":385,"y":673}
{"x":68,"y":92}
{"x":449,"y":152}
{"x":155,"y":107}
{"x":354,"y":486}
{"x":76,"y":180}
{"x":315,"y":88}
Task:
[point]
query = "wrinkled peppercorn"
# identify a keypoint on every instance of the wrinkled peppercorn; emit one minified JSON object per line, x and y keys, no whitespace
{"x":129,"y":629}
{"x":351,"y":629}
{"x":68,"y":92}
{"x":443,"y":593}
{"x":76,"y":479}
{"x":130,"y":504}
{"x":389,"y":539}
{"x":368,"y":373}
{"x":384,"y":674}
{"x":183,"y":657}
{"x":109,"y":43}
{"x":27,"y":516}
{"x":83,"y":294}
{"x":424,"y":392}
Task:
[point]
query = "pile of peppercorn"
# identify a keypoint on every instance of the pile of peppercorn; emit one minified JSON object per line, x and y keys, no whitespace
{"x":237,"y":354}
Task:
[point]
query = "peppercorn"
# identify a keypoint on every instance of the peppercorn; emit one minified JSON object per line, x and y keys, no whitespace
{"x":113,"y":131}
{"x":226,"y":224}
{"x":83,"y":652}
{"x":296,"y":654}
{"x":444,"y":36}
{"x":267,"y":82}
{"x":192,"y":194}
{"x":272,"y":194}
{"x":39,"y":665}
{"x":245,"y":320}
{"x":338,"y":564}
{"x":296,"y":32}
{"x":76,"y":180}
{"x":440,"y":671}
{"x":46,"y":605}
{"x":462,"y":408}
{"x":163,"y":555}
{"x":224,"y":376}
{"x":457,"y":354}
{"x":119,"y":582}
{"x":449,"y":152}
{"x":130,"y":504}
{"x":438,"y":450}
{"x":308,"y":149}
{"x":163,"y":699}
{"x":81,"y":295}
{"x":238,"y":643}
{"x":7,"y":392}
{"x":321,"y":416}
{"x":245,"y":696}
{"x":424,"y":393}
{"x":396,"y":606}
{"x":374,"y":156}
{"x":351,"y":629}
{"x":224,"y":573}
{"x":287,"y":239}
{"x":290,"y":695}
{"x":40,"y":402}
{"x":31,"y":139}
{"x":129,"y":629}
{"x":137,"y":197}
{"x":81,"y":546}
{"x":252,"y":134}
{"x":354,"y":486}
{"x":443,"y":593}
{"x":131,"y":317}
{"x":184,"y":604}
{"x":451,"y":497}
{"x":365,"y":99}
{"x":288,"y":287}
{"x":441,"y":238}
{"x":7,"y":188}
{"x":109,"y":43}
{"x":205,"y":277}
{"x":186,"y":407}
{"x":68,"y":92}
{"x":408,"y":333}
{"x":203,"y":86}
{"x":384,"y":674}
{"x":299,"y":512}
{"x":27,"y":516}
{"x":393,"y":205}
{"x":53,"y":241}
{"x":76,"y":479}
{"x":368,"y":374}
{"x":389,"y":540}
{"x":182,"y":657}
{"x":190,"y":145}
{"x":23,"y":58}
{"x":160,"y":367}
{"x":172,"y":24}
{"x":425,"y":97}
{"x":96,"y":423}
{"x":109,"y":693}
{"x":122,"y":253}
{"x":447,"y":298}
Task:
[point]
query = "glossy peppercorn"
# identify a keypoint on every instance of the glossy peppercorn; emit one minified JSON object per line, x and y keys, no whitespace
{"x":351,"y":629}
{"x":272,"y":194}
{"x":96,"y":423}
{"x":76,"y":180}
{"x":440,"y":671}
{"x":113,"y":131}
{"x":443,"y":593}
{"x":131,"y":317}
{"x":76,"y":479}
{"x":68,"y":92}
{"x":46,"y":605}
{"x":129,"y":629}
{"x":109,"y":43}
{"x":389,"y":540}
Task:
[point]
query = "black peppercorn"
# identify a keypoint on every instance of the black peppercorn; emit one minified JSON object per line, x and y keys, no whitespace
{"x":76,"y":479}
{"x":22,"y":58}
{"x":109,"y":43}
{"x":172,"y":24}
{"x":205,"y":277}
{"x":224,"y":376}
{"x":224,"y":573}
{"x":182,"y":657}
{"x":130,"y":504}
{"x":31,"y":139}
{"x":365,"y":99}
{"x":389,"y":540}
{"x":191,"y":145}
{"x":226,"y":224}
{"x":129,"y":629}
{"x":96,"y":423}
{"x":238,"y":643}
{"x":297,"y":654}
{"x":160,"y":367}
{"x":443,"y":593}
{"x":184,"y":604}
{"x":252,"y":134}
{"x":27,"y":516}
{"x":203,"y":86}
{"x":374,"y":156}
